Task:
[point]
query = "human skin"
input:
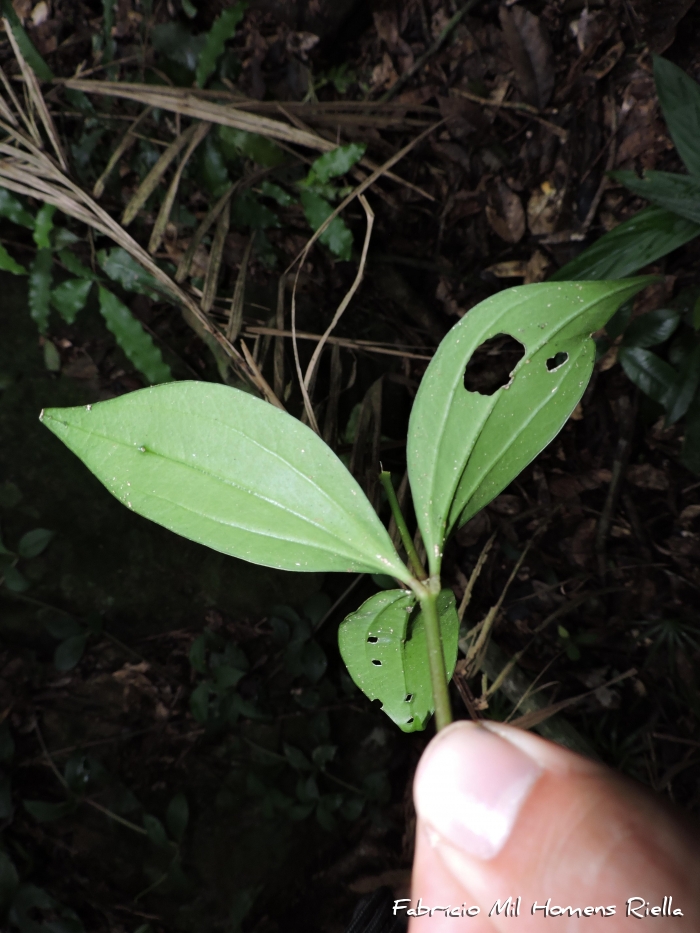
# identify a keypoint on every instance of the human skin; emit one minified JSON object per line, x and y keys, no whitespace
{"x":502,"y":812}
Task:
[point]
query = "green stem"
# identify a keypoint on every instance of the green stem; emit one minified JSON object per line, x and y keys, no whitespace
{"x":436,"y":657}
{"x":406,"y":538}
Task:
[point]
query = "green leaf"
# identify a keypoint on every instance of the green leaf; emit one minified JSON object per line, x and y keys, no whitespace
{"x":690,"y":454}
{"x":247,"y":211}
{"x":13,"y":579}
{"x":263,"y":151}
{"x":269,"y":189}
{"x":384,"y":648}
{"x":29,"y":52}
{"x":212,"y":170}
{"x":336,"y":162}
{"x":156,"y":831}
{"x":74,"y":265}
{"x":679,"y":194}
{"x":648,"y":372}
{"x":296,"y":758}
{"x":678,"y":399}
{"x":40,"y":274}
{"x":121,"y":267}
{"x":13,"y":209}
{"x":223,"y":29}
{"x":69,"y":652}
{"x":177,"y":817}
{"x":679,"y":96}
{"x":8,"y":264}
{"x":44,"y":812}
{"x":465,"y":447}
{"x":651,"y":328}
{"x":199,"y":702}
{"x":337,"y":237}
{"x":34,"y":542}
{"x":52,"y":358}
{"x":43,"y":225}
{"x":198,"y":655}
{"x":226,"y":469}
{"x":70,"y":297}
{"x":133,"y":339}
{"x":174,"y":41}
{"x":59,"y":624}
{"x":644,"y":238}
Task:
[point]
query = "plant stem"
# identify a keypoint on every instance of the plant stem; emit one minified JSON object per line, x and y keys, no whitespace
{"x":406,"y":538}
{"x":436,"y":658}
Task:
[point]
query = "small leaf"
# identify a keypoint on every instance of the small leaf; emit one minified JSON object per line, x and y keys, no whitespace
{"x":69,"y":652}
{"x":177,"y":817}
{"x":199,"y":702}
{"x":679,"y":96}
{"x":13,"y":209}
{"x":323,"y":754}
{"x":389,"y":661}
{"x":651,"y":328}
{"x":156,"y":831}
{"x":59,"y":624}
{"x":70,"y":297}
{"x":52,"y":358}
{"x":44,"y":812}
{"x":8,"y":264}
{"x":336,"y":162}
{"x":74,"y":265}
{"x":337,"y":237}
{"x":198,"y":655}
{"x":212,"y":170}
{"x":679,"y":194}
{"x":34,"y":542}
{"x":464,"y":447}
{"x":228,"y":470}
{"x":223,"y":29}
{"x":261,"y":150}
{"x":137,"y":345}
{"x":13,"y":579}
{"x":648,"y":372}
{"x":121,"y":267}
{"x":43,"y":225}
{"x":678,"y":399}
{"x":296,"y":758}
{"x":247,"y":211}
{"x":40,"y":273}
{"x":633,"y":244}
{"x":175,"y":42}
{"x":269,"y":189}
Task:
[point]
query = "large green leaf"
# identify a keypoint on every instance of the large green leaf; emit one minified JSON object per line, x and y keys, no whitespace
{"x":223,"y":29}
{"x":644,"y":238}
{"x":464,"y":447}
{"x":221,"y":467}
{"x":648,"y":372}
{"x":133,"y":339}
{"x":651,"y":328}
{"x":679,"y":96}
{"x":677,"y":193}
{"x":384,"y":647}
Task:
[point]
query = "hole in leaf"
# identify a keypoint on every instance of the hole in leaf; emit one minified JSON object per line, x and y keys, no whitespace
{"x":377,"y":663}
{"x":409,"y":720}
{"x":373,"y":639}
{"x":409,"y":697}
{"x":492,"y":363}
{"x":554,"y":362}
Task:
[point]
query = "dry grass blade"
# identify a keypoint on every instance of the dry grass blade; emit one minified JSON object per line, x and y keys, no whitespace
{"x":330,"y":422}
{"x":183,"y":101}
{"x":4,"y":109}
{"x":311,"y":368}
{"x":167,"y":205}
{"x":535,"y":717}
{"x":368,"y":346}
{"x":211,"y":281}
{"x":126,"y":142}
{"x":152,"y":180}
{"x":236,"y":317}
{"x":183,"y":269}
{"x":301,"y":258}
{"x":36,"y":97}
{"x":260,"y":379}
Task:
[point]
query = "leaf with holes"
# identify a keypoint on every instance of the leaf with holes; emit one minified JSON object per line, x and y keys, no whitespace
{"x":223,"y":468}
{"x":384,"y":648}
{"x":465,"y":447}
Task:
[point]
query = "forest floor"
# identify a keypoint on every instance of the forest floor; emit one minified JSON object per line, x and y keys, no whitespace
{"x":132,"y":797}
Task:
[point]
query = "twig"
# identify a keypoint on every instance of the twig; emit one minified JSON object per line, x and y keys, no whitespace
{"x":466,"y":599}
{"x":367,"y":345}
{"x":526,"y":109}
{"x":429,"y":52}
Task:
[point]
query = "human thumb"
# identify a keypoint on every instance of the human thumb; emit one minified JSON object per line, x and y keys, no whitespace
{"x":504,"y":814}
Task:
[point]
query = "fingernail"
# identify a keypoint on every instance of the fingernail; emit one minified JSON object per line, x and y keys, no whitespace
{"x":470,"y":787}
